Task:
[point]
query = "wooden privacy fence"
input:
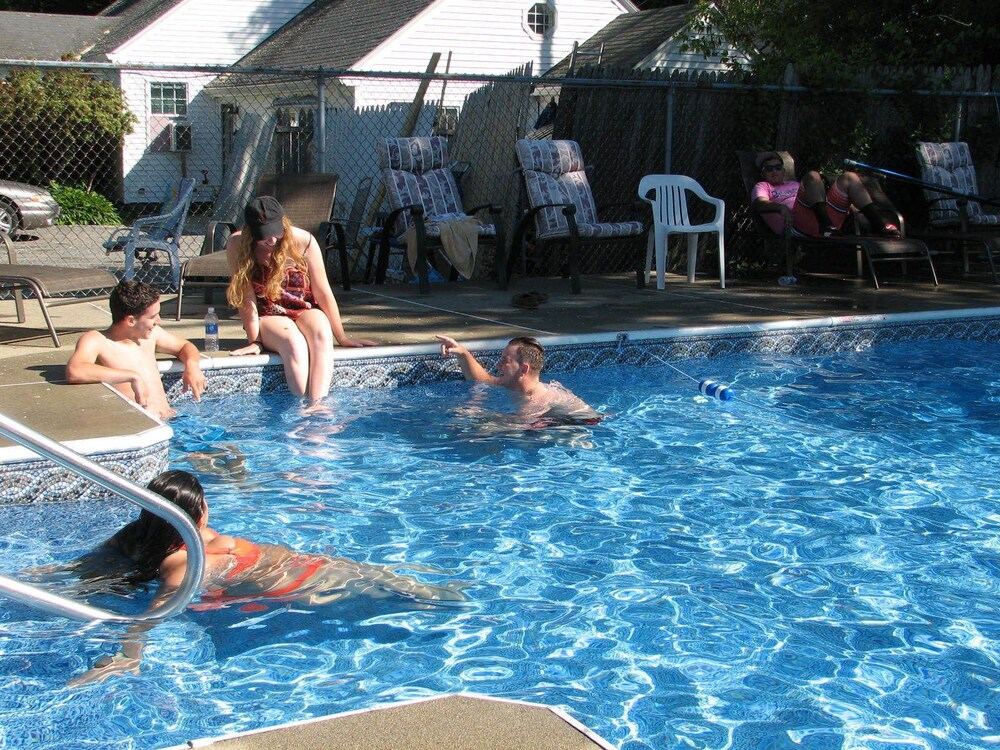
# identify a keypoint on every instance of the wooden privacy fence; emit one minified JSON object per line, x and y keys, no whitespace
{"x":632,"y":123}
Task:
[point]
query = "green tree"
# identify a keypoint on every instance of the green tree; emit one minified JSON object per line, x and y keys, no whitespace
{"x":61,"y":125}
{"x":829,"y":41}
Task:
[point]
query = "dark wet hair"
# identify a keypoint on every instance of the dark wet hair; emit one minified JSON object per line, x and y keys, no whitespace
{"x":131,"y":298}
{"x":149,"y":539}
{"x":529,"y":352}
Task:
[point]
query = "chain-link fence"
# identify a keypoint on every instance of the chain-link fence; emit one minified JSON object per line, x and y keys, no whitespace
{"x":114,"y":144}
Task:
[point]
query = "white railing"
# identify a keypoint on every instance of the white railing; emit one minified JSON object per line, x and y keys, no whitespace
{"x":60,"y":605}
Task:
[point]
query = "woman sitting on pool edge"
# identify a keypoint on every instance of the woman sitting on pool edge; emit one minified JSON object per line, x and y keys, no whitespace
{"x":237,"y":570}
{"x":280,"y":288}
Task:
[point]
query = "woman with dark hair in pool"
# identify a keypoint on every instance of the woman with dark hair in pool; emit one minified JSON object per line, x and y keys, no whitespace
{"x":238,"y":570}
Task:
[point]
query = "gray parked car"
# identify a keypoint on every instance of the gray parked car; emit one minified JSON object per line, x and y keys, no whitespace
{"x":25,"y":207}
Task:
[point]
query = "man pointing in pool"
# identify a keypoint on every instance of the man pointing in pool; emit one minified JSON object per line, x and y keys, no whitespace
{"x":519,"y":370}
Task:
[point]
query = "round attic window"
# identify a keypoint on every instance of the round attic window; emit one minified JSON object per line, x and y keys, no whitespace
{"x":540,"y":19}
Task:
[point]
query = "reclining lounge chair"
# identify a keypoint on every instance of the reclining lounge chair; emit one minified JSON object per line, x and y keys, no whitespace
{"x":868,"y":249}
{"x":423,"y":194}
{"x":562,"y":209}
{"x":956,"y":218}
{"x":308,"y":201}
{"x":52,"y":285}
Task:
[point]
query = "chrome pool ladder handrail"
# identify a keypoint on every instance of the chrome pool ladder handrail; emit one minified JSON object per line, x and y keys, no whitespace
{"x":79,"y":464}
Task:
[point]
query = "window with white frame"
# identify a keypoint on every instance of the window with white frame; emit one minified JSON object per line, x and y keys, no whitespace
{"x":168,"y":99}
{"x":540,"y":19}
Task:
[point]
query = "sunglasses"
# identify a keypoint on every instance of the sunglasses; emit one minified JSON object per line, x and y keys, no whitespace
{"x":772,"y":167}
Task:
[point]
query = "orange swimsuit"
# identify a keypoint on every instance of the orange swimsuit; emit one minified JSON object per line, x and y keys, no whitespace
{"x":248,"y":554}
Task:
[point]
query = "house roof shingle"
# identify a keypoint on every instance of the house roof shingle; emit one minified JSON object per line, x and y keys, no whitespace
{"x":131,"y":17}
{"x":628,"y":39}
{"x":333,"y":33}
{"x":48,"y":36}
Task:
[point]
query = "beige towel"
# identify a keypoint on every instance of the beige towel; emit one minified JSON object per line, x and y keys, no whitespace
{"x":459,"y":239}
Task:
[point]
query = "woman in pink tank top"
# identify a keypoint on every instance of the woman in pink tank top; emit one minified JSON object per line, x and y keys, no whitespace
{"x":280,"y":288}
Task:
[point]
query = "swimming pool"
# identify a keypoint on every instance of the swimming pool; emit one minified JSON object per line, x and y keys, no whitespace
{"x":816,"y":565}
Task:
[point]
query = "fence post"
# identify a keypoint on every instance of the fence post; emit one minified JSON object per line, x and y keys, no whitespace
{"x":321,"y":124}
{"x":668,"y":145}
{"x":959,"y":108}
{"x":788,"y":113}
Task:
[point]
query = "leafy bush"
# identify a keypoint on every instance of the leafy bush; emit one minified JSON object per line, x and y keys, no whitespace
{"x":81,"y":206}
{"x":63,"y":125}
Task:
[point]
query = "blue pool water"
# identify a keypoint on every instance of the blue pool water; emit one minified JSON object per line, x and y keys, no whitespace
{"x":813,"y":566}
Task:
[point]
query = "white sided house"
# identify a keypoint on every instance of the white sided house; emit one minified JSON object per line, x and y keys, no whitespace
{"x":472,"y":37}
{"x":341,"y":116}
{"x":178,"y":132}
{"x":186,"y":130}
{"x":649,"y":40}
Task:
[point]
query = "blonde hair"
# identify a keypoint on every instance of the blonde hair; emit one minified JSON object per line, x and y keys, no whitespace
{"x":285,"y":251}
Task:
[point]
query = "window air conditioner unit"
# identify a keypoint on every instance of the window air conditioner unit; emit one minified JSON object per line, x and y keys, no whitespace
{"x":180,"y":137}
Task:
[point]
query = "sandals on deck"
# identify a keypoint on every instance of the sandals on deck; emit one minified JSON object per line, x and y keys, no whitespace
{"x":529,"y":300}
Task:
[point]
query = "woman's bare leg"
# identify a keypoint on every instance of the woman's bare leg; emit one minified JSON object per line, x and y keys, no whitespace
{"x":315,"y":328}
{"x":281,"y":335}
{"x":341,"y":578}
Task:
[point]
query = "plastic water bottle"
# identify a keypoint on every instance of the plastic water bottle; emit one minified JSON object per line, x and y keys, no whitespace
{"x":716,"y":390}
{"x":211,"y":331}
{"x":787,"y":281}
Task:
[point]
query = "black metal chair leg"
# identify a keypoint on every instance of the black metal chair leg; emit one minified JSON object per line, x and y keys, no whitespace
{"x":574,"y":249}
{"x":421,"y":232}
{"x":516,"y":247}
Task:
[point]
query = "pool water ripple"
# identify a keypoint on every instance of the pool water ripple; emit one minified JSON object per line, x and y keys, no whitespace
{"x":814,"y":566}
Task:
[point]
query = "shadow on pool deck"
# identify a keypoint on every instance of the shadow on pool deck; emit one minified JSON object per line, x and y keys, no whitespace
{"x":33,"y":390}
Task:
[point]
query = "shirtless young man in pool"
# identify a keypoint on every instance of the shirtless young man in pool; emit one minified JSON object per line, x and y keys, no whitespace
{"x":125,"y":354}
{"x":519,"y":370}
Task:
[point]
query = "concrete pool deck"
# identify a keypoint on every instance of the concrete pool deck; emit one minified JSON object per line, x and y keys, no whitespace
{"x":33,"y":390}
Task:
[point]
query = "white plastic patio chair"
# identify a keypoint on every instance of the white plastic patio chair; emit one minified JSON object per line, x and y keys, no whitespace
{"x":670,"y":215}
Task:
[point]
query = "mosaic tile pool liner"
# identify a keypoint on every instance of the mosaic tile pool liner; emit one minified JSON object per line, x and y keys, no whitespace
{"x":41,"y":481}
{"x":620,"y":349}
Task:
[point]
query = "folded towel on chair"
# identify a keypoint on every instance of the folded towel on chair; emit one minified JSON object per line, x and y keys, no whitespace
{"x":459,"y":240}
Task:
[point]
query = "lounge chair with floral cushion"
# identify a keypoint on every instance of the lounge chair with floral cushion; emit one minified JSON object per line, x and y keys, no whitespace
{"x":426,"y":210}
{"x":957,"y":219}
{"x":561,"y":210}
